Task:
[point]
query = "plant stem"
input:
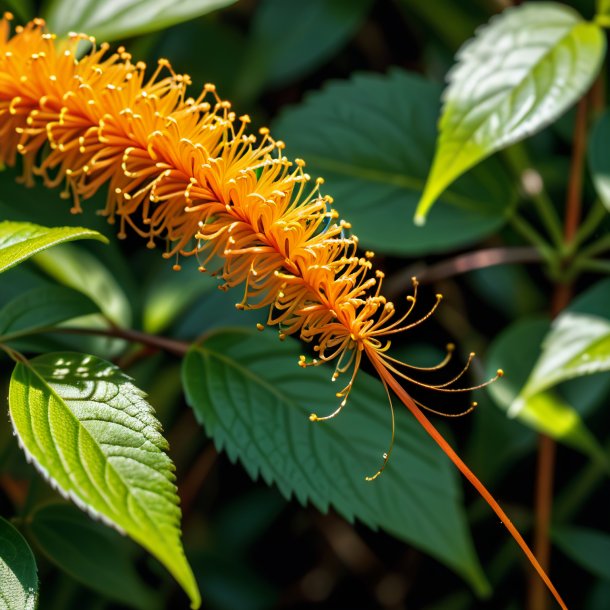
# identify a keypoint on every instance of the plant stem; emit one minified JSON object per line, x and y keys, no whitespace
{"x":591,"y":222}
{"x":537,"y":596}
{"x":532,"y":236}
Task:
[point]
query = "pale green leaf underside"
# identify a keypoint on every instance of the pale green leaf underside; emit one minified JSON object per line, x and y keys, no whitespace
{"x":90,"y":431}
{"x":20,"y":240}
{"x":517,"y":75}
{"x":576,"y":345}
{"x":116,"y":19}
{"x":247,"y":390}
{"x":18,"y":577}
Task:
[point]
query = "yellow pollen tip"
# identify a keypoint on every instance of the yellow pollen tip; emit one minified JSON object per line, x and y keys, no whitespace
{"x":500,"y":373}
{"x":313,"y":417}
{"x":176,"y":267}
{"x":260,"y":326}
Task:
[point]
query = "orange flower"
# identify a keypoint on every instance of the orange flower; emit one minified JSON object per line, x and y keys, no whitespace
{"x":184,"y":170}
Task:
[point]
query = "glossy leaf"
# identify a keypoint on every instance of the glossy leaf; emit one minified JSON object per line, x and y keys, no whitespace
{"x":247,"y":390}
{"x":91,"y":553}
{"x":576,"y":345}
{"x":588,"y":547}
{"x":599,"y":160}
{"x":116,"y":19}
{"x":517,"y":75}
{"x":372,"y":139}
{"x":42,"y":308}
{"x":278,"y":55}
{"x":90,"y":431}
{"x":18,"y":577}
{"x":21,"y":240}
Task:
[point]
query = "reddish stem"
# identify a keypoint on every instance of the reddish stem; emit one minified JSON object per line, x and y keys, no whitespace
{"x":400,"y":392}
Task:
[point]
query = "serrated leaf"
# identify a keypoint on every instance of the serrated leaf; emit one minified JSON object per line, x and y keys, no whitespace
{"x":115,"y":19}
{"x":91,"y":553}
{"x":21,"y":240}
{"x":588,"y":547}
{"x":599,"y":159}
{"x":41,"y":308}
{"x":372,"y":139}
{"x":18,"y":577}
{"x":90,"y":431}
{"x":253,"y":400}
{"x":518,"y":74}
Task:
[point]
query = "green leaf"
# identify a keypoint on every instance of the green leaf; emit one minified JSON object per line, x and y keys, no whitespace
{"x":576,"y":345}
{"x":20,"y":240}
{"x":24,"y":9}
{"x":116,"y":19}
{"x":18,"y":578}
{"x":41,"y":308}
{"x":588,"y":547}
{"x":90,"y":431}
{"x":517,"y":75}
{"x":247,"y":390}
{"x":84,"y":272}
{"x":599,"y":159}
{"x":278,"y":55}
{"x":603,"y":13}
{"x":91,"y":553}
{"x":372,"y":139}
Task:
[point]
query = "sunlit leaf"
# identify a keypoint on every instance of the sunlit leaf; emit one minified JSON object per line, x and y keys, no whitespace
{"x":115,"y":19}
{"x":576,"y":345}
{"x":253,"y":400}
{"x":517,"y":75}
{"x":372,"y":139}
{"x":599,"y":159}
{"x":588,"y":547}
{"x":91,"y":553}
{"x":18,"y":577}
{"x":90,"y":431}
{"x":21,"y":240}
{"x":41,"y":308}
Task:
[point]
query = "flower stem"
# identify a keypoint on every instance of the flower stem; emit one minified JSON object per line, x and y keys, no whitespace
{"x":400,"y":392}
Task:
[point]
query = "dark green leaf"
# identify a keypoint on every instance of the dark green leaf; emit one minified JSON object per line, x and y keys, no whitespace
{"x":278,"y":54}
{"x":24,"y":9}
{"x":372,"y":139}
{"x":254,"y":401}
{"x":115,"y":19}
{"x":20,"y":240}
{"x":588,"y":547}
{"x":517,"y":75}
{"x":18,"y":578}
{"x":91,"y":553}
{"x":41,"y":308}
{"x":599,"y":159}
{"x":90,"y":431}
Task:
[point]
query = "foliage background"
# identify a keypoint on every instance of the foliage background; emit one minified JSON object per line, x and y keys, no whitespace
{"x":337,"y":80}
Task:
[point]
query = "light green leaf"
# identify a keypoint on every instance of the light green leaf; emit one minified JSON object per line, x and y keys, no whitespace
{"x":517,"y":75}
{"x":115,"y":19}
{"x":278,"y":55}
{"x":599,"y":159}
{"x":603,"y":13}
{"x":91,"y":553}
{"x":20,"y":240}
{"x":247,"y":390}
{"x":577,"y":345}
{"x":588,"y":547}
{"x":84,"y":272}
{"x":372,"y":139}
{"x":41,"y":308}
{"x":90,"y":431}
{"x":18,"y":578}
